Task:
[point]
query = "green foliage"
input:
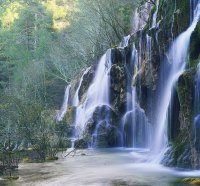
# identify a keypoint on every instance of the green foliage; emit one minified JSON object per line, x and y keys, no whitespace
{"x":44,"y":44}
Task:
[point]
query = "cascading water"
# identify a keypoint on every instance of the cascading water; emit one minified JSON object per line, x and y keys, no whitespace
{"x":136,"y":130}
{"x":97,"y":94}
{"x":177,"y":56}
{"x":64,"y":107}
{"x":125,"y":41}
{"x":76,"y":97}
{"x":193,"y":4}
{"x":135,"y":126}
{"x":155,"y":15}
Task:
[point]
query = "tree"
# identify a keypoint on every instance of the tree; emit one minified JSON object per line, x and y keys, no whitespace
{"x":44,"y":44}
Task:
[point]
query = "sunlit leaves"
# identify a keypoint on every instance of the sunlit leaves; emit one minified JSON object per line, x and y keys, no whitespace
{"x":10,"y":14}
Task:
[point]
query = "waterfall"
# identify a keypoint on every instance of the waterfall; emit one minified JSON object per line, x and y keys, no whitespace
{"x":193,"y":4}
{"x":138,"y":128}
{"x":97,"y":94}
{"x":134,"y":123}
{"x":177,"y":56}
{"x":149,"y":47}
{"x":124,"y":42}
{"x":128,"y":120}
{"x":173,"y":19}
{"x":76,"y":97}
{"x":64,"y":107}
{"x":155,"y":15}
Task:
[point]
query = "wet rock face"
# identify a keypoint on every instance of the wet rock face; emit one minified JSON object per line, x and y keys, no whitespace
{"x":87,"y":80}
{"x":81,"y":144}
{"x":101,"y":129}
{"x":172,"y":157}
{"x":196,"y":133}
{"x":106,"y":135}
{"x":119,"y":74}
{"x":118,"y":87}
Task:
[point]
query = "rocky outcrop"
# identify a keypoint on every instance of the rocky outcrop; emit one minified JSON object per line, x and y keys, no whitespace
{"x":102,"y":129}
{"x":152,"y":45}
{"x":118,"y":78}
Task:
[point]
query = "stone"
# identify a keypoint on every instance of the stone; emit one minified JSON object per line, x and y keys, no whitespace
{"x":81,"y":144}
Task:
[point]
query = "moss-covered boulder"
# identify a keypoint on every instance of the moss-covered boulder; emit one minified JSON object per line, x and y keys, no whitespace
{"x":192,"y":181}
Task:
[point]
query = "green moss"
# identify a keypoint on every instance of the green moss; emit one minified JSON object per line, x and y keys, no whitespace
{"x":193,"y":181}
{"x":184,"y":7}
{"x":193,"y":64}
{"x":149,"y":23}
{"x":10,"y":178}
{"x":160,"y":9}
{"x":49,"y":158}
{"x":28,"y":160}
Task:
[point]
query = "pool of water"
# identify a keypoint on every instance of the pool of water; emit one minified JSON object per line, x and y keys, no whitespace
{"x":113,"y":167}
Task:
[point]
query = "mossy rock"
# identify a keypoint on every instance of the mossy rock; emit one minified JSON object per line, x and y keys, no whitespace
{"x":87,"y":80}
{"x":26,"y":160}
{"x":49,"y":158}
{"x":29,"y":160}
{"x":10,"y":178}
{"x":193,"y":64}
{"x":193,"y":181}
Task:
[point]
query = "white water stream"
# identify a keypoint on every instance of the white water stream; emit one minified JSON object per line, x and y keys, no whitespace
{"x":64,"y":107}
{"x":155,"y":15}
{"x":97,"y":94}
{"x":177,"y":55}
{"x":76,"y":100}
